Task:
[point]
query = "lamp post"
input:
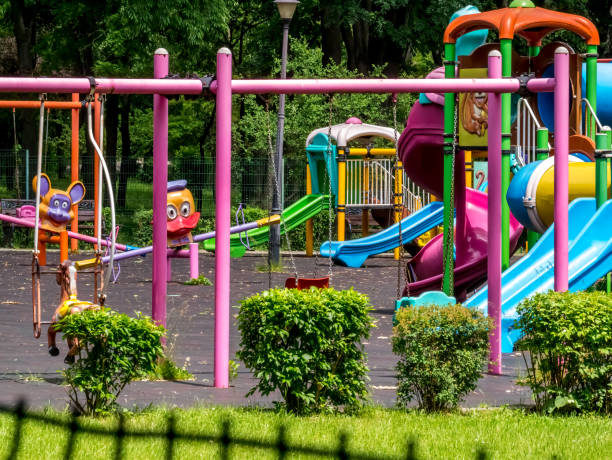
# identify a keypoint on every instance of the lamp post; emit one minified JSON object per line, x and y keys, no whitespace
{"x":286,"y":8}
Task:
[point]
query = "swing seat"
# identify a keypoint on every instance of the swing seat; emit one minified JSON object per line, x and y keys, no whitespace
{"x":426,"y":299}
{"x":307,"y":283}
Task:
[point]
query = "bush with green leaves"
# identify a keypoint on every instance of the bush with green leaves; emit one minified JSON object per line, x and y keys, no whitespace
{"x":308,"y":346}
{"x":442,"y":351}
{"x":567,"y":345}
{"x":143,"y":228}
{"x":113,"y":349}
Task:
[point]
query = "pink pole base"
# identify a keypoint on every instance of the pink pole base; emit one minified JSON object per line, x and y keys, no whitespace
{"x":194,"y":269}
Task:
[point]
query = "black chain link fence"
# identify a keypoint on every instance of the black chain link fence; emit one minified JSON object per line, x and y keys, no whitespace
{"x":225,"y":440}
{"x":134,"y":179}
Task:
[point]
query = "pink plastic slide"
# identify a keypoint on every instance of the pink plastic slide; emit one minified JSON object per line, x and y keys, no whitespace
{"x":420,"y":147}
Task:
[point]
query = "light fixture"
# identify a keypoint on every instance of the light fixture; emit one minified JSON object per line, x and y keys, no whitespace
{"x":286,"y":8}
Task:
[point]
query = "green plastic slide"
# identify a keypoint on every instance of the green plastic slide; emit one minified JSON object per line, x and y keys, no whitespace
{"x":300,"y":211}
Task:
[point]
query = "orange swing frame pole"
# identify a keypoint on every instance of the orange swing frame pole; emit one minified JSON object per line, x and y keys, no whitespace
{"x":74,"y":106}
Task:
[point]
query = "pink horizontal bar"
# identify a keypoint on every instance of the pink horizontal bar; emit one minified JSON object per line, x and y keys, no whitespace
{"x":88,"y":239}
{"x":541,"y":85}
{"x":194,"y":86}
{"x":103,"y":85}
{"x":181,"y":253}
{"x":408,"y":85}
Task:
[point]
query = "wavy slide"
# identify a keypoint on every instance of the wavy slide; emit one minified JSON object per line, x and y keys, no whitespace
{"x":590,"y":258}
{"x":299,"y":212}
{"x":420,"y":148}
{"x":353,"y":253}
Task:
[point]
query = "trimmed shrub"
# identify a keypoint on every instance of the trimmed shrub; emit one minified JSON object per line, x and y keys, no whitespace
{"x":113,"y":350}
{"x":442,"y":351}
{"x":307,"y":345}
{"x":567,"y":346}
{"x":143,"y":229}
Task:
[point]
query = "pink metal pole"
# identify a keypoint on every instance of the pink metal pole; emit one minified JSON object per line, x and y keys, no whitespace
{"x":194,"y":86}
{"x":160,"y":185}
{"x":494,"y":253}
{"x":223,"y":218}
{"x":561,"y":167}
{"x":193,"y":261}
{"x":460,"y":205}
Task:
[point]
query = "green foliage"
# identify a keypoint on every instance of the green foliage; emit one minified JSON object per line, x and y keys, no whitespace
{"x":442,"y":351}
{"x":113,"y":350}
{"x":201,"y":280}
{"x":251,"y":213}
{"x":233,"y":370}
{"x":143,"y":227}
{"x":567,"y":344}
{"x":307,"y":345}
{"x":166,"y":369}
{"x":320,"y":227}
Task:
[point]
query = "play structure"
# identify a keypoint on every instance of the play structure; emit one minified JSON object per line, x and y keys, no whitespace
{"x":479,"y":231}
{"x":573,"y":253}
{"x":364,"y":178}
{"x":74,"y":106}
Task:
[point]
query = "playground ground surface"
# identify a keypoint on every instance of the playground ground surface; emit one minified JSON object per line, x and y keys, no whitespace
{"x":27,"y":371}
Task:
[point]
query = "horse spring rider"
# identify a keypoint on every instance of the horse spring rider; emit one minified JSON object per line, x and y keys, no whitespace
{"x":69,"y":305}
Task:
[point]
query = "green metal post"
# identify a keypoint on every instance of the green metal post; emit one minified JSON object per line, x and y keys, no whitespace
{"x":601,"y":170}
{"x":542,"y":152}
{"x":603,"y":148}
{"x":449,"y":140}
{"x":591,"y":87}
{"x":506,"y":52}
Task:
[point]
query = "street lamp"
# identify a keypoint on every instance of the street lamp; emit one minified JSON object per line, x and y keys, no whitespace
{"x":286,"y":8}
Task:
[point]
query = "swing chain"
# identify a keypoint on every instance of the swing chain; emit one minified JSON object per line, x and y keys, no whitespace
{"x":276,"y":190}
{"x":330,"y":262}
{"x":449,"y":248}
{"x":397,"y":205}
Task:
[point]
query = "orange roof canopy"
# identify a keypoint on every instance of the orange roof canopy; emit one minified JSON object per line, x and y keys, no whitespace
{"x":530,"y":23}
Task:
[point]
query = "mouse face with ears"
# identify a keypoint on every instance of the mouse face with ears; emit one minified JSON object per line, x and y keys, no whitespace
{"x":55,"y":204}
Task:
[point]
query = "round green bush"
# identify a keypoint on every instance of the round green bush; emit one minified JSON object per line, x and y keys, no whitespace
{"x":442,"y":351}
{"x":567,"y":345}
{"x":308,"y":346}
{"x":113,"y":350}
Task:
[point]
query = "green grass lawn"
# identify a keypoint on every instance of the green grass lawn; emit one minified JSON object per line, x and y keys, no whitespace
{"x":502,"y":434}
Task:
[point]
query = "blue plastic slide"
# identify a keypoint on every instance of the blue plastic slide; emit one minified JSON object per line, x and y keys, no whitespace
{"x":590,"y":258}
{"x":353,"y":253}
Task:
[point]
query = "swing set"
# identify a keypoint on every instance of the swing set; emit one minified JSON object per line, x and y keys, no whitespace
{"x":74,"y":106}
{"x":51,"y":216}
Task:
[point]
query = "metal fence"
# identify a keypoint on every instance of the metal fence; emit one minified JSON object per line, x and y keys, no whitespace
{"x":225,"y":441}
{"x":133,"y":180}
{"x":371,"y":184}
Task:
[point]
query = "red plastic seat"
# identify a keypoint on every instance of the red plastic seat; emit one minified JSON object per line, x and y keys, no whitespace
{"x":307,"y":283}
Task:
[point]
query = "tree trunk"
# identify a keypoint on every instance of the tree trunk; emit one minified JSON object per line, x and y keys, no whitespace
{"x":331,"y":38}
{"x":127,"y":162}
{"x":24,"y":28}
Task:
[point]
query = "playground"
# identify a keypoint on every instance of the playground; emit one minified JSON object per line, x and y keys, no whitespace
{"x":439,"y":242}
{"x":26,"y":370}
